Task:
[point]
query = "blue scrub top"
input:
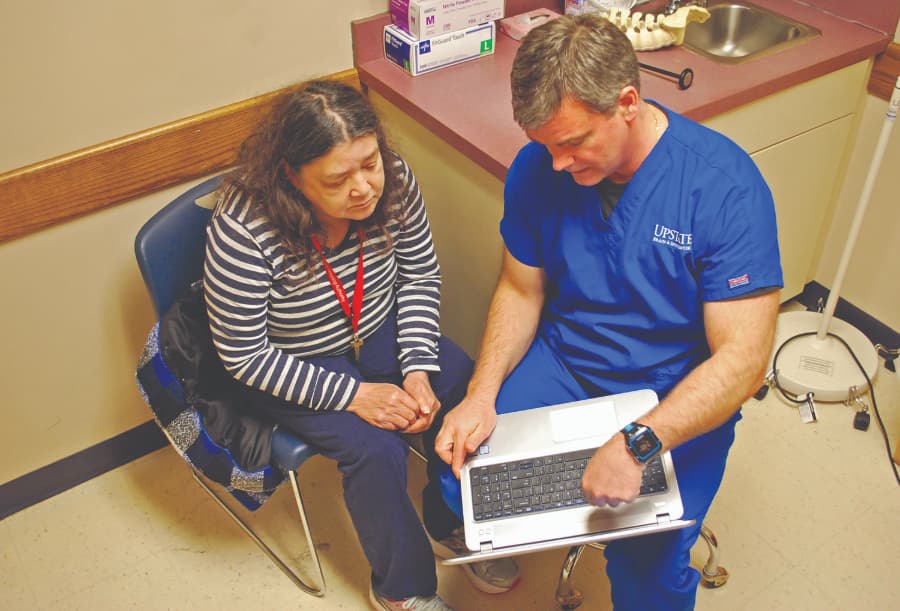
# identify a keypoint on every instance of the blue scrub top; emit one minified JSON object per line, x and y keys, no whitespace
{"x":624,"y":305}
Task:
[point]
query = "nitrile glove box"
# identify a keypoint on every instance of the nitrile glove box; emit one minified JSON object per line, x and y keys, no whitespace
{"x":425,"y":18}
{"x":420,"y":56}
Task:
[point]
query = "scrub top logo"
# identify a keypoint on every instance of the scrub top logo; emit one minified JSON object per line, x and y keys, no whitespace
{"x":743,"y":280}
{"x":672,"y":237}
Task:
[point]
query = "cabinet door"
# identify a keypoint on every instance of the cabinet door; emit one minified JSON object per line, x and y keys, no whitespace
{"x":802,"y":173}
{"x":794,"y":111}
{"x":465,"y":204}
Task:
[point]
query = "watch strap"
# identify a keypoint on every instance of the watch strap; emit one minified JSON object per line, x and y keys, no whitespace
{"x":641,"y":441}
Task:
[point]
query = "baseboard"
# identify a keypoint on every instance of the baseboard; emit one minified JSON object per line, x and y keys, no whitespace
{"x":815,"y":294}
{"x":78,"y":468}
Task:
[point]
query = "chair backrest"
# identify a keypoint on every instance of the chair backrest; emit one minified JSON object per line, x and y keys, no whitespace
{"x":170,"y":246}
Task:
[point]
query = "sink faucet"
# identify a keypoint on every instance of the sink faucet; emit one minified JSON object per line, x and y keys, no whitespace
{"x":673,"y":5}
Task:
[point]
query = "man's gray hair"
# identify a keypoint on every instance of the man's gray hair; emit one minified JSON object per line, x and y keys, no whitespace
{"x":583,"y":57}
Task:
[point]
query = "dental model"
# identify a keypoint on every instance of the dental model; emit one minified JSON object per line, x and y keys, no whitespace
{"x":648,"y":32}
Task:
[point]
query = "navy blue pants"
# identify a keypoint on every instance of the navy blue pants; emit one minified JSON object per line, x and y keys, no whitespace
{"x":646,"y":573}
{"x":373,"y":464}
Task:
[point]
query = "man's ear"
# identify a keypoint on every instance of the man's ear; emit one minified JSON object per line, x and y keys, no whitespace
{"x":629,"y":101}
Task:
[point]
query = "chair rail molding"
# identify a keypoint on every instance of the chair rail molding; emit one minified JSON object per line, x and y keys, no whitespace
{"x":44,"y":194}
{"x":885,"y":72}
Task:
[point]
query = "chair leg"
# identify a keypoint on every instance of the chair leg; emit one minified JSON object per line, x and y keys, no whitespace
{"x":414,"y":441}
{"x":713,"y":576}
{"x":289,"y":571}
{"x":566,"y":595}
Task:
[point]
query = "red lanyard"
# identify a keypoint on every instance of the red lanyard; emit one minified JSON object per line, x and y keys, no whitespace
{"x":341,"y":294}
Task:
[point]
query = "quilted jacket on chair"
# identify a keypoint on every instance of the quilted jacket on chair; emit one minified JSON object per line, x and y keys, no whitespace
{"x":204,"y":412}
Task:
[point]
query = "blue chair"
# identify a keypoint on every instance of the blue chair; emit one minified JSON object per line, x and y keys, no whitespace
{"x":170,"y":251}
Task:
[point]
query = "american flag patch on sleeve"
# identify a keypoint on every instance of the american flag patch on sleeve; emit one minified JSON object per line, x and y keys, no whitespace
{"x":733,"y":283}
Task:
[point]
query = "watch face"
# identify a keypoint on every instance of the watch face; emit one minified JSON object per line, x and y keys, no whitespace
{"x":644,"y":444}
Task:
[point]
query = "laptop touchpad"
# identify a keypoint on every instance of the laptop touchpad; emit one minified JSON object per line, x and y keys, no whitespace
{"x":596,"y":419}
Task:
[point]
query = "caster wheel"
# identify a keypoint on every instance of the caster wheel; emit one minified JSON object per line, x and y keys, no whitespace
{"x":715,"y":581}
{"x":571,"y":601}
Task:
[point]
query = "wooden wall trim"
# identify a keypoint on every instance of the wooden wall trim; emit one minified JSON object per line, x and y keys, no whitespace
{"x":885,"y":72}
{"x":50,"y":192}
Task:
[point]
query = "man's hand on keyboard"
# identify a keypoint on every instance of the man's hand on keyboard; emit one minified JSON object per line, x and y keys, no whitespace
{"x":612,"y":476}
{"x":465,"y":427}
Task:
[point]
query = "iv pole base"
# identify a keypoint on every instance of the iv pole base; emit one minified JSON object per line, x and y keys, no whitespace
{"x":823,"y":367}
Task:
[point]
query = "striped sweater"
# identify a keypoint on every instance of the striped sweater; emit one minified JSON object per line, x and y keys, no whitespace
{"x":265,"y":323}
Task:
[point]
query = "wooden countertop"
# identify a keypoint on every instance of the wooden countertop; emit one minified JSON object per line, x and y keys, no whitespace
{"x":468,"y":104}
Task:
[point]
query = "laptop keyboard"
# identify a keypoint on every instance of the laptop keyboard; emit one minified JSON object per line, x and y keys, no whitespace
{"x":542,"y":484}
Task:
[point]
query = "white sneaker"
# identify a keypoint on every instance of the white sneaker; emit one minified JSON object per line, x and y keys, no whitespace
{"x":415,"y":603}
{"x":489,"y":576}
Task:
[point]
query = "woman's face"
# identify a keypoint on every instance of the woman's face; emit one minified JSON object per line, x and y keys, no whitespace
{"x":343,"y":184}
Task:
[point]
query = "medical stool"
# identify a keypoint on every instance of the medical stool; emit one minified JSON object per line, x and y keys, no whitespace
{"x":712,"y":575}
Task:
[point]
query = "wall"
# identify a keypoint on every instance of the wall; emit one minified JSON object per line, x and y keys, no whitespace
{"x":870,"y":282}
{"x":75,"y":313}
{"x":79,"y":73}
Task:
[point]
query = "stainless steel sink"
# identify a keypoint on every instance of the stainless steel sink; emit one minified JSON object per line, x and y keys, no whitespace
{"x":738,"y":32}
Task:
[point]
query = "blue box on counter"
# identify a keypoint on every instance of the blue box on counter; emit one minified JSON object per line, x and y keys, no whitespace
{"x":421,"y":56}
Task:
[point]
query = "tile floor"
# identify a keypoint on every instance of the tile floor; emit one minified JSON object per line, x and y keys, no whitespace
{"x":808,"y":518}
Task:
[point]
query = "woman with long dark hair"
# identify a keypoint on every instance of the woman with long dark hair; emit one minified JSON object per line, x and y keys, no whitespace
{"x":323,"y":291}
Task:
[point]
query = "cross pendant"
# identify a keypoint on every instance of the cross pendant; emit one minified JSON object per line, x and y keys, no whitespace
{"x":356,"y":343}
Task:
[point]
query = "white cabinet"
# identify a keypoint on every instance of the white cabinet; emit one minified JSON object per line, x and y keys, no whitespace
{"x":465,"y":204}
{"x":798,"y":139}
{"x":802,"y":173}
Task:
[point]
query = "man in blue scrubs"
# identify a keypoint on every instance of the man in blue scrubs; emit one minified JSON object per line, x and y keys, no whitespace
{"x":640,"y":252}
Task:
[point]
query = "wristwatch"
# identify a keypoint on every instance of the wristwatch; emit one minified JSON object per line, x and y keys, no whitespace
{"x":642,"y":442}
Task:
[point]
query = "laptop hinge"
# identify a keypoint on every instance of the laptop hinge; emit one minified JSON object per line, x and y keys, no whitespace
{"x":486,"y":546}
{"x":663,"y":519}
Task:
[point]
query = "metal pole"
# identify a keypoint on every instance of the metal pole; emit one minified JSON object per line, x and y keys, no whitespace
{"x":833,"y":295}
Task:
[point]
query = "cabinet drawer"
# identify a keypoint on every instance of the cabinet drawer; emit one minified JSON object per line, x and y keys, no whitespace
{"x":793,"y":111}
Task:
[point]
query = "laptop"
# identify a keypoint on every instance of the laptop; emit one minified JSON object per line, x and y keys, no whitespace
{"x":521,"y":491}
